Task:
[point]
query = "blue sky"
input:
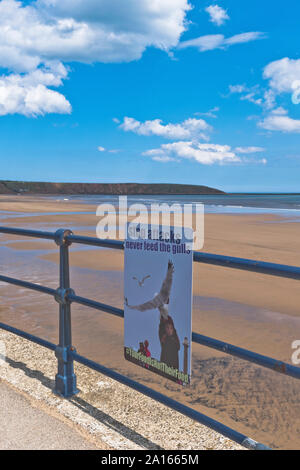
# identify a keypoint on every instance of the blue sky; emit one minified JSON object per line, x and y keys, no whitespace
{"x":197,"y":92}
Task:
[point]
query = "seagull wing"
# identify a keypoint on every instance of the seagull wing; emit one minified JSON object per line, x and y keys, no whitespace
{"x":150,"y":305}
{"x":167,"y":284}
{"x":146,"y":277}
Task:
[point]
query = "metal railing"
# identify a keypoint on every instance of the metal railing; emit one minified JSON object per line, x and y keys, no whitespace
{"x":65,"y":380}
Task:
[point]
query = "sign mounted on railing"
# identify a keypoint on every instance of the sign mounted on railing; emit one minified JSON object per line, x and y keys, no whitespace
{"x":158,"y":300}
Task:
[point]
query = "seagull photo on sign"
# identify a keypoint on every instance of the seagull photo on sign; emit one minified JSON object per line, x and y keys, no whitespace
{"x":168,"y":337}
{"x":141,"y":283}
{"x":160,"y":300}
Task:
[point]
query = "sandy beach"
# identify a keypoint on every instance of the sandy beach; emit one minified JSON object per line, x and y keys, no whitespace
{"x":254,"y":311}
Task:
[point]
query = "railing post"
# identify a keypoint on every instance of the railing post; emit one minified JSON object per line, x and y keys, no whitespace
{"x":65,"y":379}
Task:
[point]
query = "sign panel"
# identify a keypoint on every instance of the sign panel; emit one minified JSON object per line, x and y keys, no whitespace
{"x":158,"y":302}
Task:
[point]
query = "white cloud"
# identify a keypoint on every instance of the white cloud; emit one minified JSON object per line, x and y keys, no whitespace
{"x":217,"y":14}
{"x":250,"y":94}
{"x":249,"y":149}
{"x":284,"y":77}
{"x":163,"y":159}
{"x":280,"y":111}
{"x":251,"y":97}
{"x":211,"y":113}
{"x":91,"y":30}
{"x":47,"y":31}
{"x":218,"y":41}
{"x":134,"y":24}
{"x":204,"y":43}
{"x":186,"y":130}
{"x":244,"y":37}
{"x":29,"y":95}
{"x":282,"y":74}
{"x":206,"y":154}
{"x":237,"y":88}
{"x":269,"y":99}
{"x":278,"y":120}
{"x":103,"y":149}
{"x":188,"y":137}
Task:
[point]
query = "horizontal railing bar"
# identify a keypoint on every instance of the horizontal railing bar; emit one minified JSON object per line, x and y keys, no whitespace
{"x":28,"y":336}
{"x":273,"y":269}
{"x":97,"y":305}
{"x":263,"y":361}
{"x":263,"y":267}
{"x":28,"y":285}
{"x":118,"y":245}
{"x":175,"y":405}
{"x":28,"y":233}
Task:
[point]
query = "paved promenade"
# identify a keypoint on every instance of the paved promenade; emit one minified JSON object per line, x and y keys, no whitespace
{"x":26,"y":427}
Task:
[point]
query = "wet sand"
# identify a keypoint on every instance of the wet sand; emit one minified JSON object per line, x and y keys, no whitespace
{"x":254,"y":311}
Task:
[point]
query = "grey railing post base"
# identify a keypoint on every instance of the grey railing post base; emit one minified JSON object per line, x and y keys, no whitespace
{"x":65,"y":380}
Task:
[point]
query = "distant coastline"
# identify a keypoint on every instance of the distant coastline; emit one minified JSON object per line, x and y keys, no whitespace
{"x":264,"y":194}
{"x":25,"y":187}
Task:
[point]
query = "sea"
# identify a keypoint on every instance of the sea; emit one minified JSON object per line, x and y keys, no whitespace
{"x":283,"y":204}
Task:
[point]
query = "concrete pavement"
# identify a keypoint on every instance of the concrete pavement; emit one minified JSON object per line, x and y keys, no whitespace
{"x":106,"y":413}
{"x":22,"y":426}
